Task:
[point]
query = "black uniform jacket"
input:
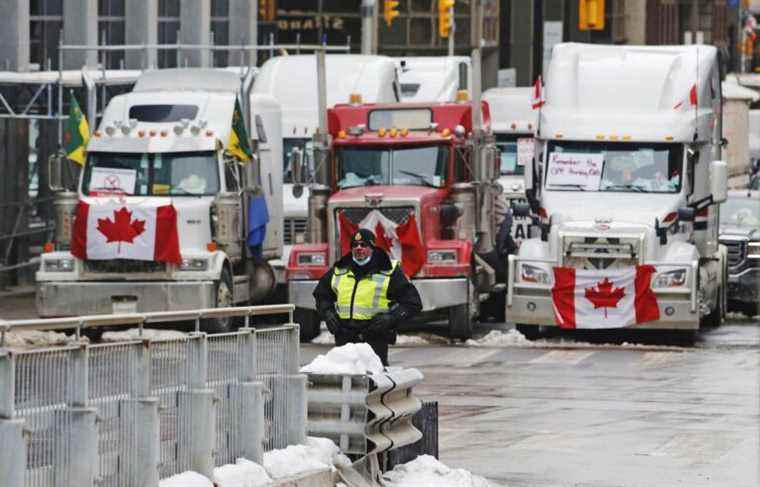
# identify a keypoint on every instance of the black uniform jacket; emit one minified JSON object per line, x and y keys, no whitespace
{"x":401,"y":292}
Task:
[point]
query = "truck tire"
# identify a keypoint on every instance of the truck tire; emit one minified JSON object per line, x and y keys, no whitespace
{"x":309,"y":323}
{"x":531,"y":332}
{"x":223,"y":298}
{"x":460,"y":322}
{"x":715,"y":318}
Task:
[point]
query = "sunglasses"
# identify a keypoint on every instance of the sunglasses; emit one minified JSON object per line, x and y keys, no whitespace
{"x":359,"y":244}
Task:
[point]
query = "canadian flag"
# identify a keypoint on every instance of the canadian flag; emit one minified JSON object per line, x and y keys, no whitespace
{"x":604,"y":299}
{"x":692,"y":98}
{"x":538,"y":93}
{"x":402,"y":241}
{"x":110,"y":229}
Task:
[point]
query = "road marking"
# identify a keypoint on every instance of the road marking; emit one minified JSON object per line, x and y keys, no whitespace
{"x":568,"y":357}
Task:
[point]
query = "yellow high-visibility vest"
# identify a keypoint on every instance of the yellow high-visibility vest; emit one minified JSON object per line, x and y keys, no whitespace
{"x":370,"y":296}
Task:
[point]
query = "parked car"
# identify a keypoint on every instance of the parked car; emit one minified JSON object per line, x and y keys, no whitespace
{"x":740,"y":233}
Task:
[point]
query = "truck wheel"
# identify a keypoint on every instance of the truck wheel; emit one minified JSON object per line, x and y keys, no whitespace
{"x":460,"y":322}
{"x":222,"y":299}
{"x":531,"y":332}
{"x":309,"y":323}
{"x":714,"y":319}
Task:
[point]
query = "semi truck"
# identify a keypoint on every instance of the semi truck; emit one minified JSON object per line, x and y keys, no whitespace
{"x":433,"y":78}
{"x":624,"y":193}
{"x":291,"y":80}
{"x":422,"y":177}
{"x":166,"y":210}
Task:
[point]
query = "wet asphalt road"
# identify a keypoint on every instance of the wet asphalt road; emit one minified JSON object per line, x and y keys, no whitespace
{"x":570,"y":413}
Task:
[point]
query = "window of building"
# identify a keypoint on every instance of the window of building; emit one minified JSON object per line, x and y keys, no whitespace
{"x":111,"y":32}
{"x":168,"y":32}
{"x":45,"y":25}
{"x":220,"y":30}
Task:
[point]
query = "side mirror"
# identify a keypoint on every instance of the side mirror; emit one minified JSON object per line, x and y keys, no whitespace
{"x":296,"y":165}
{"x":521,"y":210}
{"x":55,"y":172}
{"x":719,"y":181}
{"x":686,"y":214}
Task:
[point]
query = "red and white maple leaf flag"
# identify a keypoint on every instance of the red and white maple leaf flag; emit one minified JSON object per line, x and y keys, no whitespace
{"x":401,"y":241}
{"x":113,"y":230}
{"x":604,"y":299}
{"x":538,"y":93}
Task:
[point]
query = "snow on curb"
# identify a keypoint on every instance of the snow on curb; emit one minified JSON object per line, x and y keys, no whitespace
{"x":499,"y":338}
{"x":25,"y":339}
{"x":186,"y":479}
{"x":426,"y":471}
{"x":147,"y":334}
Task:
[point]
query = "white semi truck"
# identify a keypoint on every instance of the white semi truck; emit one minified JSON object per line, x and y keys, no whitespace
{"x":513,"y":121}
{"x":626,"y":179}
{"x":160,"y":220}
{"x":433,"y":78}
{"x":292,"y":81}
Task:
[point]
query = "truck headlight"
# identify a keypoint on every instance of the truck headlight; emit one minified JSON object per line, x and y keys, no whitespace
{"x":58,"y":265}
{"x":193,"y":265}
{"x":675,"y":278}
{"x":753,"y":250}
{"x":442,"y":256}
{"x":307,"y":258}
{"x":534,"y":274}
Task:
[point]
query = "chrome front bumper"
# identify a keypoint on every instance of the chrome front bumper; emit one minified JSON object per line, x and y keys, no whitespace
{"x":435,"y":293}
{"x":83,"y":298}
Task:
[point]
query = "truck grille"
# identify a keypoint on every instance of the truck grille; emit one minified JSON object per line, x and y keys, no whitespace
{"x":737,"y":251}
{"x":124,"y":266}
{"x":293,"y":227}
{"x":397,"y":214}
{"x":600,"y":253}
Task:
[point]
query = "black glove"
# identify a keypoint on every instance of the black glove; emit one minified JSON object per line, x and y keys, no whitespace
{"x":332,"y":321}
{"x":382,"y":322}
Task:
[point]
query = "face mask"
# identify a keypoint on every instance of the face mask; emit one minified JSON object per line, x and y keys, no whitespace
{"x":363,"y":261}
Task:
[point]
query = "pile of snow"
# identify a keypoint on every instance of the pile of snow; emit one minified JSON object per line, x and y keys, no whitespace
{"x":37,"y":338}
{"x":317,"y":454}
{"x":426,"y":471}
{"x":350,"y":359}
{"x":499,"y":338}
{"x":186,"y":479}
{"x":147,"y":334}
{"x":243,"y":473}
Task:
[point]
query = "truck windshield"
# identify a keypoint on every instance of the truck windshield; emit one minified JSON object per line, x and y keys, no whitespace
{"x":413,"y":166}
{"x":307,"y":149}
{"x":614,"y":166}
{"x":510,"y":165}
{"x":158,"y":174}
{"x":740,"y":211}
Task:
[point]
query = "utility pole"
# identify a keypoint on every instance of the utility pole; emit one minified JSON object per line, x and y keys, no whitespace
{"x":369,"y":14}
{"x":453,"y":30}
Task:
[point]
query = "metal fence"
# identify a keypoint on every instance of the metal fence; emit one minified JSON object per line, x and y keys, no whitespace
{"x":126,"y":414}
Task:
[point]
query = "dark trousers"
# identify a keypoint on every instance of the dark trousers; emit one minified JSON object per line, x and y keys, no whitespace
{"x":380,"y":347}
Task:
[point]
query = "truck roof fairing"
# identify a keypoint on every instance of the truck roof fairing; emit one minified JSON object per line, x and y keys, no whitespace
{"x":640,"y":93}
{"x":188,"y":79}
{"x":446,"y":115}
{"x":511,"y":106}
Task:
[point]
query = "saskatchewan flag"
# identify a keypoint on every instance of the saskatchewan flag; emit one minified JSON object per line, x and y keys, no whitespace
{"x":238,"y":143}
{"x":76,"y":134}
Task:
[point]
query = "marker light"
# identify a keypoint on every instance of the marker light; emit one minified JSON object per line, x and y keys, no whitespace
{"x":209,"y":133}
{"x":558,"y":135}
{"x":668,"y":137}
{"x":110,"y":130}
{"x":614,"y":137}
{"x":393,"y":132}
{"x":355,"y":98}
{"x":97,"y":133}
{"x":164,"y":133}
{"x":48,"y":247}
{"x":342,"y":134}
{"x":446,"y":132}
{"x":211,"y":246}
{"x":152,"y":133}
{"x":404,"y":132}
{"x":513,"y":126}
{"x":141,"y":133}
{"x":626,"y":137}
{"x":599,"y":136}
{"x":381,"y":132}
{"x":462,"y":96}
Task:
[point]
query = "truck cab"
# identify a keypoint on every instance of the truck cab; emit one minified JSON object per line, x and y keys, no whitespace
{"x":626,"y":174}
{"x":159,"y":170}
{"x":404,"y":171}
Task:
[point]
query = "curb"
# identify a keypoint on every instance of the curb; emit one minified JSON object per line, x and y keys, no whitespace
{"x":315,"y":478}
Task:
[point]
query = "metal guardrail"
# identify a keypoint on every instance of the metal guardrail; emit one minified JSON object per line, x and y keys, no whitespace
{"x":365,"y":414}
{"x":128,"y":413}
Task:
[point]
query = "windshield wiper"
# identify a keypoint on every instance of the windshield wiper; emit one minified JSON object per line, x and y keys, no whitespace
{"x":634,"y":187}
{"x":579,"y":187}
{"x":421,"y":177}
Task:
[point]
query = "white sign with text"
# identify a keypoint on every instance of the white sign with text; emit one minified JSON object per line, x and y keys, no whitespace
{"x":575,"y":169}
{"x":526,"y":148}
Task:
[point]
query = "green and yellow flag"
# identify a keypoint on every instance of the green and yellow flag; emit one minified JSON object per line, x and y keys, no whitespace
{"x":76,"y":134}
{"x":238,"y":143}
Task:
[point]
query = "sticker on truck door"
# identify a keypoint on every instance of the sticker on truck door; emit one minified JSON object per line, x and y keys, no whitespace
{"x":520,"y":225}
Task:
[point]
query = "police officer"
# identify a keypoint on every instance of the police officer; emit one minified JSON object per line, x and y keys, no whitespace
{"x":365,"y":296}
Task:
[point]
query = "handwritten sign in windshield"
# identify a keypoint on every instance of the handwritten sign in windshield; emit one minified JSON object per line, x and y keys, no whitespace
{"x":575,"y":169}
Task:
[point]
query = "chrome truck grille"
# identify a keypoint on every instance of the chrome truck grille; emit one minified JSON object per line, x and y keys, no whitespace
{"x":737,"y":251}
{"x":123,"y":266}
{"x":294,"y":227}
{"x":397,"y":214}
{"x":600,"y":253}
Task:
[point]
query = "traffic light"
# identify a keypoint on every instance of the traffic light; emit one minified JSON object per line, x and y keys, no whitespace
{"x":445,"y":17}
{"x":390,"y":11}
{"x":590,"y":14}
{"x":267,"y":10}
